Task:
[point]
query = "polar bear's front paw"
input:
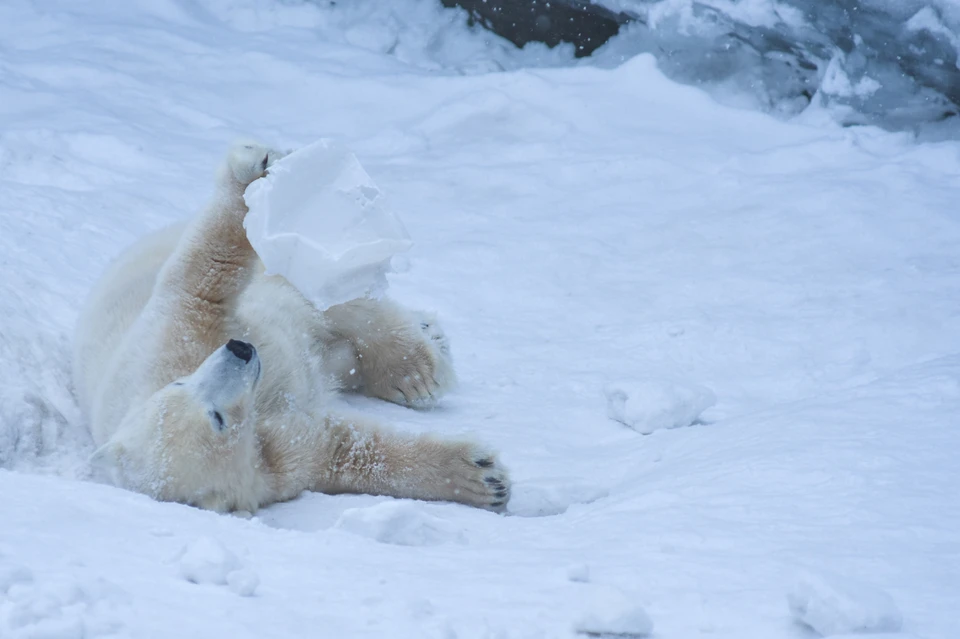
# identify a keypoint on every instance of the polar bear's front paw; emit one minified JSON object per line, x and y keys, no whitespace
{"x":248,"y":161}
{"x":480,"y":480}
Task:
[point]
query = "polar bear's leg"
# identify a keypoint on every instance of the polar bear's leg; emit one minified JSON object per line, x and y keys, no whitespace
{"x":354,"y":455}
{"x":198,"y":286}
{"x":366,"y":458}
{"x":402,"y":356}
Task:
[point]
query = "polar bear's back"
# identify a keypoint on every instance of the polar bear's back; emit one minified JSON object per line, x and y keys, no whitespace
{"x":114,"y":304}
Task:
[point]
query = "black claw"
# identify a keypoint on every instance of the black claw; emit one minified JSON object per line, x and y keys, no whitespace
{"x":263,"y":165}
{"x":484,"y":463}
{"x":501,"y":493}
{"x":497,"y":504}
{"x":493,"y":480}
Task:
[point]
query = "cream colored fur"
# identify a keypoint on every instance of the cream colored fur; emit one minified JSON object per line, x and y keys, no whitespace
{"x":182,"y":413}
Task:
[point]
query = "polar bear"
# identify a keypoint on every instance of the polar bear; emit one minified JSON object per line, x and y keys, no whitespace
{"x":209,"y":383}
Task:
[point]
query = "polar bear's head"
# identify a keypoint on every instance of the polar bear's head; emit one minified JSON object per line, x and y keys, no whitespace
{"x":194,"y":440}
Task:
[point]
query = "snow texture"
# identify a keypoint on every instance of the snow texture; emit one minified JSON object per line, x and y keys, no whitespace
{"x":649,"y":405}
{"x":552,"y":496}
{"x":579,"y":573}
{"x":399,"y":522}
{"x":575,"y":225}
{"x":207,"y":561}
{"x":243,"y":582}
{"x":317,"y":218}
{"x":57,"y":607}
{"x":610,"y":613}
{"x":831,"y":604}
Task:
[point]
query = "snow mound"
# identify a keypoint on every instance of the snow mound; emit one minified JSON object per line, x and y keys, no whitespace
{"x":649,"y":405}
{"x":553,"y":497}
{"x":206,"y":561}
{"x":608,"y":612}
{"x":243,"y":582}
{"x":318,"y":219}
{"x":831,"y":604}
{"x":403,"y":523}
{"x":59,"y":608}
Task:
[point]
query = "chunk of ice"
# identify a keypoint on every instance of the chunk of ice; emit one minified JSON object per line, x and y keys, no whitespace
{"x":318,"y":219}
{"x":831,"y":604}
{"x":606,"y":611}
{"x":649,"y":405}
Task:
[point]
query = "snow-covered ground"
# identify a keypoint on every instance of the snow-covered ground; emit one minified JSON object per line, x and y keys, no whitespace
{"x":595,"y":240}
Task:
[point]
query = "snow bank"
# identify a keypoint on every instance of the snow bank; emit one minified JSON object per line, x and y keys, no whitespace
{"x":318,"y":219}
{"x":649,"y":405}
{"x":831,"y":604}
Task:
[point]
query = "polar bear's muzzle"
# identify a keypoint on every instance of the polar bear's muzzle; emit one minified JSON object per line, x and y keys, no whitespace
{"x":230,"y":372}
{"x":246,"y":353}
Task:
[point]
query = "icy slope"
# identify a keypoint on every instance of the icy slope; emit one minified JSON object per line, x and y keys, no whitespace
{"x":575,"y":228}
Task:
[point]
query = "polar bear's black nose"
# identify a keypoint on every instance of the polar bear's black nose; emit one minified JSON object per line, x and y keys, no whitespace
{"x":242,"y":350}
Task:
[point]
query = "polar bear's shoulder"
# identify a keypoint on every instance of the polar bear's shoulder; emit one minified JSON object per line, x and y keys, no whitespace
{"x":113,"y":305}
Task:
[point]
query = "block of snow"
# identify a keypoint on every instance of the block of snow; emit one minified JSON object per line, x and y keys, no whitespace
{"x":831,"y":604}
{"x":207,"y":561}
{"x":649,"y":405}
{"x":606,"y":611}
{"x":319,"y":220}
{"x":399,"y":522}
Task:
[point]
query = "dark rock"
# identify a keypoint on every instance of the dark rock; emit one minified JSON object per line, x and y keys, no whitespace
{"x":585,"y":25}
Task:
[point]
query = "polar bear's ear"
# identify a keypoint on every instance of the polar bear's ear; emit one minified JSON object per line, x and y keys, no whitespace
{"x":106,"y":463}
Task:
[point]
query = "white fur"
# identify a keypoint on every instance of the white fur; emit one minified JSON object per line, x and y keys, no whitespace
{"x":180,"y":416}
